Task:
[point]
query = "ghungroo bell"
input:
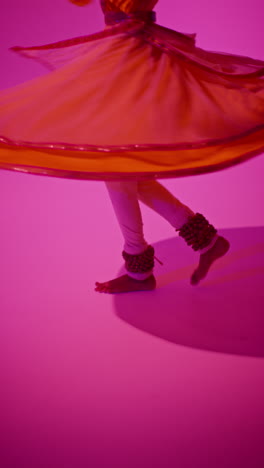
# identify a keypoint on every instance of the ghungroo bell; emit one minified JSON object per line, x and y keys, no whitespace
{"x":197,"y":232}
{"x":141,"y":263}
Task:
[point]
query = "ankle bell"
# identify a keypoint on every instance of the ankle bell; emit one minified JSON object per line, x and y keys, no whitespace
{"x":141,"y":263}
{"x":197,"y":232}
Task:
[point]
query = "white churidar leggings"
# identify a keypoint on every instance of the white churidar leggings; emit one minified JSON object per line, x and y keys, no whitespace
{"x":125,"y":196}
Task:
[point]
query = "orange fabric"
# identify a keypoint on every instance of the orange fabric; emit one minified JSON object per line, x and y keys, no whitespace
{"x":135,"y":101}
{"x":128,"y":6}
{"x":131,"y":166}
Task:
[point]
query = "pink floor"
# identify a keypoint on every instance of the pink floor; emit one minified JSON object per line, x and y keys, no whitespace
{"x":170,"y":378}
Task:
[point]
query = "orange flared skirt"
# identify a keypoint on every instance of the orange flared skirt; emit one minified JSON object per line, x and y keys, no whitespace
{"x":135,"y":101}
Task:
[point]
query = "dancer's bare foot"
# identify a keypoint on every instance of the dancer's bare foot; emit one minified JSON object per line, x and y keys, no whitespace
{"x":126,"y":284}
{"x":219,"y":249}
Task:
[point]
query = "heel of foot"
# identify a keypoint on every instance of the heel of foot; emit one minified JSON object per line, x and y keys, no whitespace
{"x":223,"y":245}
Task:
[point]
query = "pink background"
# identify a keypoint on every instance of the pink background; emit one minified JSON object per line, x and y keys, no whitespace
{"x":163,"y":379}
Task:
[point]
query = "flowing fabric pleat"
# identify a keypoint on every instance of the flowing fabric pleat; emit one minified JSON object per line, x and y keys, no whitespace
{"x":135,"y":101}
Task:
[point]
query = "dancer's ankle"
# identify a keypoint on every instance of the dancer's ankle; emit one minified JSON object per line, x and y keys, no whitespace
{"x":140,"y":276}
{"x":208,"y":247}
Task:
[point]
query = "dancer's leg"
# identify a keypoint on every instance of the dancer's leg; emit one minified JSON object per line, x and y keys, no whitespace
{"x":158,"y":198}
{"x":124,"y":198}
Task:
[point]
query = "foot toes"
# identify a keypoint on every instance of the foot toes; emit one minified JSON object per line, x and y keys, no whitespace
{"x":124,"y":284}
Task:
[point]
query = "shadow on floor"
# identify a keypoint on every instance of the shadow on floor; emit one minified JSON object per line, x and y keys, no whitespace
{"x":224,"y":314}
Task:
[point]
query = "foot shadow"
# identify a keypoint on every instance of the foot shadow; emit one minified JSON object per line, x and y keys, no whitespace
{"x":224,"y":313}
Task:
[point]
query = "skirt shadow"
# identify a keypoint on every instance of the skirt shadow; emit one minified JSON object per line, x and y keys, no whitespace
{"x":224,"y":313}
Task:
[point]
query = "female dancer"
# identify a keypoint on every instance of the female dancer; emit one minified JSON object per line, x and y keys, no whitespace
{"x":129,"y":105}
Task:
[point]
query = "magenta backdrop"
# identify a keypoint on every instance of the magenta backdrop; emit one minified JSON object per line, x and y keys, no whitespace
{"x":162,"y":380}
